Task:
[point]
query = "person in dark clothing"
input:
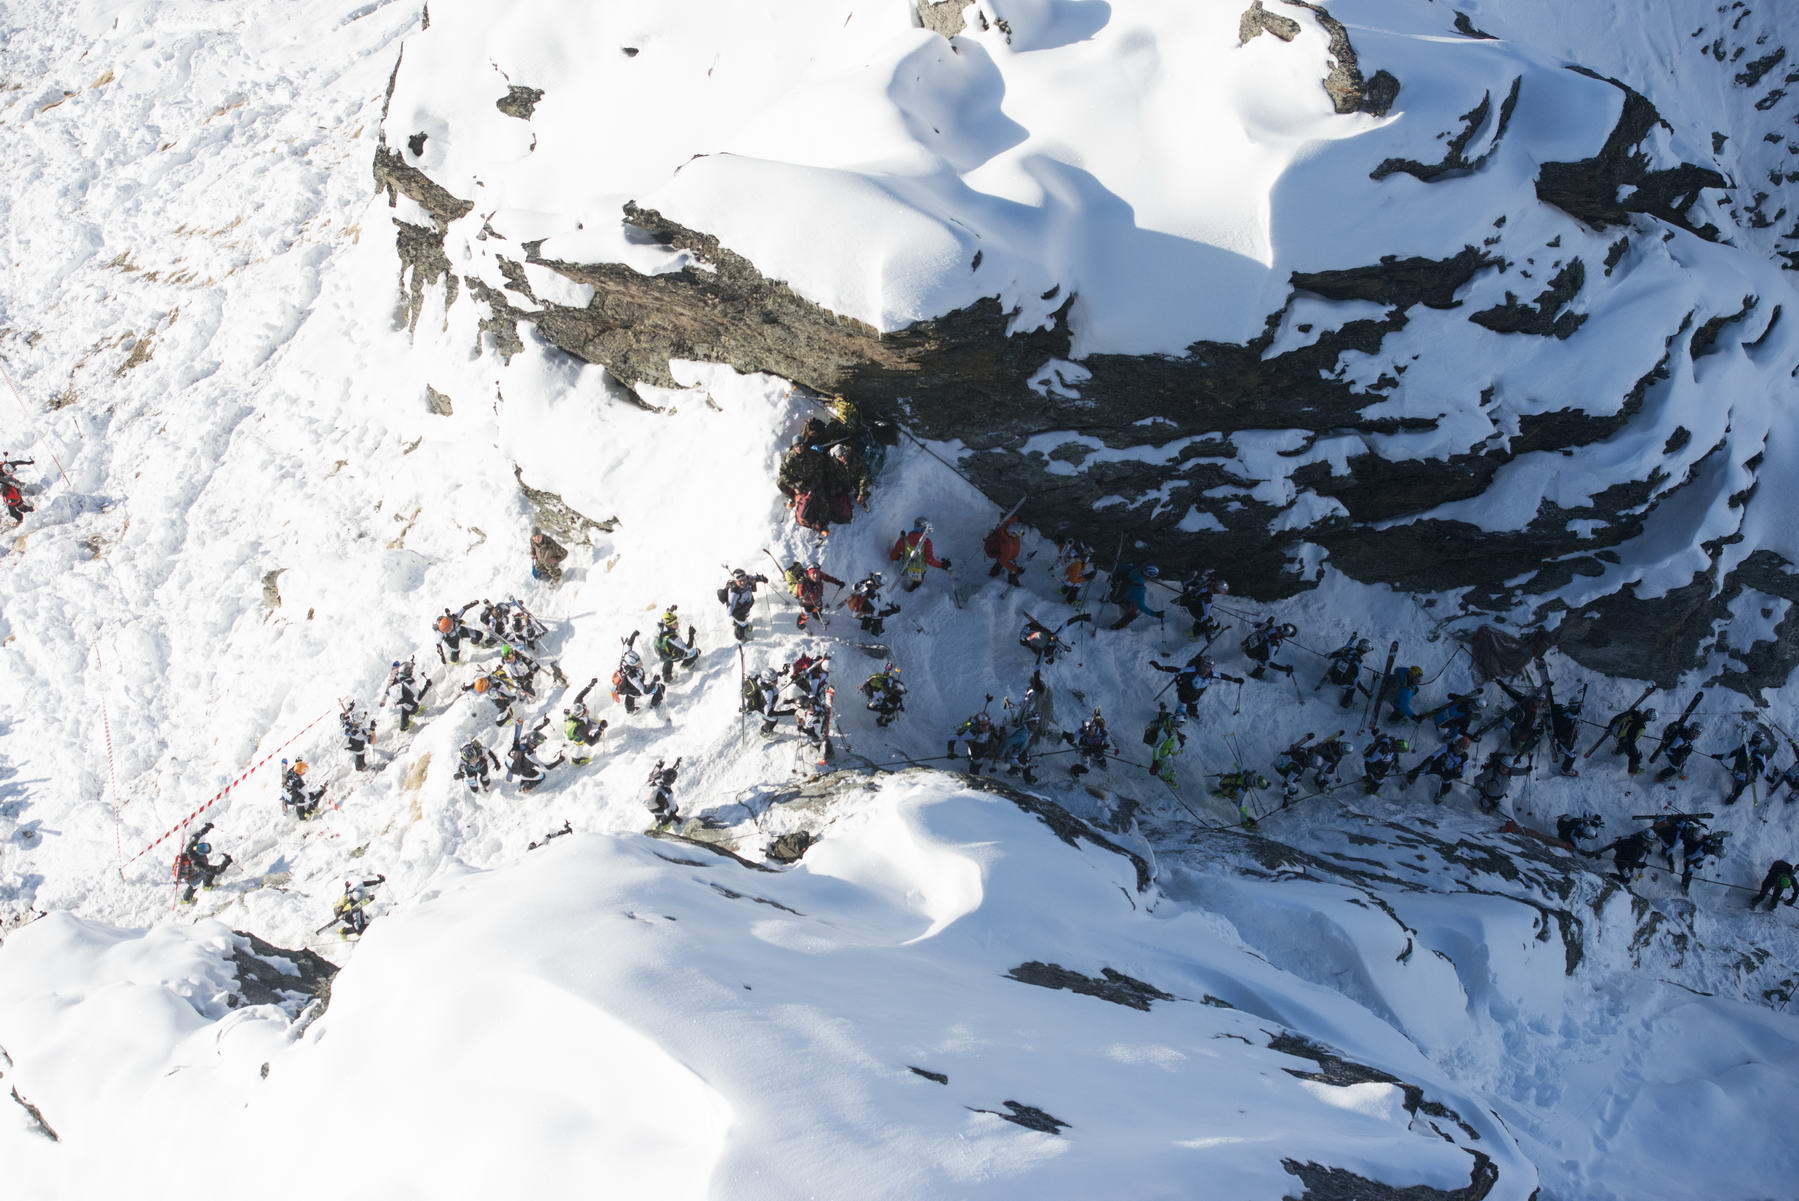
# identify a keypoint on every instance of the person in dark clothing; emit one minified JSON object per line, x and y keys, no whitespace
{"x":864,"y":601}
{"x":629,"y":682}
{"x":1781,"y":876}
{"x":1446,"y":763}
{"x":1345,"y":670}
{"x":1678,"y":743}
{"x":1574,"y":828}
{"x":1379,"y":759}
{"x":195,"y":868}
{"x":661,"y":793}
{"x":547,"y":555}
{"x":524,"y":765}
{"x":578,"y":725}
{"x":1699,"y":846}
{"x":1264,"y":643}
{"x":16,"y":504}
{"x":1002,"y":545}
{"x":1192,"y":680}
{"x":474,"y":764}
{"x":1746,"y":763}
{"x":294,"y":796}
{"x":1564,"y":733}
{"x":404,"y":692}
{"x":1197,"y":599}
{"x":1628,"y":729}
{"x":452,"y":631}
{"x":739,"y":599}
{"x":1629,"y":854}
{"x":810,"y":592}
{"x":358,"y":734}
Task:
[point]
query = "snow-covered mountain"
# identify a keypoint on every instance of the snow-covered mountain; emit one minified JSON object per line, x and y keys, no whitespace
{"x":281,"y":419}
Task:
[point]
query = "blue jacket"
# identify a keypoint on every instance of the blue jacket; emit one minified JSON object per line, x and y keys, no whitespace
{"x":1136,"y":591}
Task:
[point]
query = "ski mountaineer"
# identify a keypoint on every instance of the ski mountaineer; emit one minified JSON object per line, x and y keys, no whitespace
{"x":9,"y":476}
{"x":761,"y":694}
{"x":1628,"y":854}
{"x":578,"y":726}
{"x":16,"y":504}
{"x":1564,"y":733}
{"x":1402,"y":690}
{"x":1191,"y":681}
{"x":738,"y":596}
{"x":674,"y":650}
{"x":194,"y":868}
{"x":1627,"y":729}
{"x":1020,"y":737}
{"x":525,"y":630}
{"x":864,"y":601}
{"x":1699,"y":847}
{"x":497,"y":688}
{"x":1524,"y":720}
{"x":1453,"y":719}
{"x":1573,"y":828}
{"x":403,"y":692}
{"x":886,"y":694}
{"x":913,"y":552}
{"x":350,"y":914}
{"x":1092,"y":743}
{"x":977,"y":739}
{"x":1345,"y":670}
{"x":810,"y":674}
{"x":492,"y":620}
{"x":629,"y":682}
{"x":1166,"y":740}
{"x":1264,"y":643}
{"x":1679,"y":741}
{"x":523,"y":763}
{"x":547,"y":555}
{"x":1446,"y":763}
{"x":1671,"y":831}
{"x":661,"y":785}
{"x":810,"y":593}
{"x":1003,"y":545}
{"x":474,"y":762}
{"x":519,"y":670}
{"x":1746,"y":763}
{"x":1233,"y":784}
{"x":1291,"y":766}
{"x":1781,"y":876}
{"x":1329,"y":757}
{"x":1789,"y":777}
{"x":1496,"y":776}
{"x":1041,"y":641}
{"x":305,"y":805}
{"x":812,"y":719}
{"x":1379,"y":760}
{"x":452,"y":631}
{"x":1072,"y":568}
{"x":1130,"y":592}
{"x":358,"y":734}
{"x":1197,"y":598}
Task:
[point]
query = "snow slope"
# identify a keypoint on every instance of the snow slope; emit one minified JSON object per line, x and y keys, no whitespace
{"x":261,"y":511}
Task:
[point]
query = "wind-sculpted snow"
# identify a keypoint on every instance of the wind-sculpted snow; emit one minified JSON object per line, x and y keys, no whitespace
{"x":1072,"y":225}
{"x":610,"y":1016}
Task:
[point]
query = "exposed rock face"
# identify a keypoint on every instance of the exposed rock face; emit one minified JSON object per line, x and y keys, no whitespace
{"x":269,"y":975}
{"x":1266,"y":456}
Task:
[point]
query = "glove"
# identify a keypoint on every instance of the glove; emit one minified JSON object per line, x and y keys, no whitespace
{"x":946,"y":565}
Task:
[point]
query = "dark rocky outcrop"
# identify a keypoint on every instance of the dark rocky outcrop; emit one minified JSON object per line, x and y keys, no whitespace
{"x":1340,"y":1184}
{"x":1455,"y":162}
{"x":1109,"y":985}
{"x":519,"y":101}
{"x":1028,"y":1116}
{"x":269,"y":975}
{"x":1543,"y":316}
{"x":944,"y":17}
{"x":556,"y":517}
{"x":1618,"y":181}
{"x":1349,"y":91}
{"x":1257,"y":20}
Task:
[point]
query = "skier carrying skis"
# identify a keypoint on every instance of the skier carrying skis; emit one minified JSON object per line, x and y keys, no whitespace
{"x":452,"y":631}
{"x":1524,"y":720}
{"x":811,"y":594}
{"x":358,"y":734}
{"x":810,"y":674}
{"x":1671,"y":830}
{"x":1453,"y":718}
{"x":661,"y":784}
{"x":1264,"y":643}
{"x":1072,"y":568}
{"x":403,"y":692}
{"x":812,"y":718}
{"x":1093,"y":743}
{"x":1345,"y":670}
{"x":1628,"y":854}
{"x":1746,"y":763}
{"x":8,"y":475}
{"x":1679,"y":741}
{"x":523,"y":763}
{"x":194,"y":868}
{"x":864,"y":601}
{"x":1789,"y":778}
{"x":629,"y":682}
{"x":886,"y":694}
{"x":761,"y":694}
{"x":1191,"y":681}
{"x":1329,"y":756}
{"x":1166,"y":740}
{"x":1197,"y":599}
{"x":674,"y":650}
{"x":1002,"y":545}
{"x":914,"y":553}
{"x":975,"y":738}
{"x":1015,"y":747}
{"x":1575,"y":828}
{"x":1379,"y":759}
{"x":738,"y":596}
{"x":1446,"y":763}
{"x":16,"y":504}
{"x":1698,"y":847}
{"x":350,"y":914}
{"x":525,"y":630}
{"x":1627,"y":729}
{"x":305,"y":805}
{"x":1291,"y":765}
{"x":1041,"y":641}
{"x":474,"y":762}
{"x":1781,"y":876}
{"x":1130,"y":592}
{"x":1233,"y":785}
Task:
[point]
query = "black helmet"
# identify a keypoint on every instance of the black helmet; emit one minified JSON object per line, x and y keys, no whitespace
{"x":1649,"y":714}
{"x":1363,"y":645}
{"x":1288,"y":629}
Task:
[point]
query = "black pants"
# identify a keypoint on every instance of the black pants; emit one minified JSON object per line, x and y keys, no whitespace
{"x":1773,"y":884}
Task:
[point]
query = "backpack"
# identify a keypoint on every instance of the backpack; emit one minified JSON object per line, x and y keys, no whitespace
{"x":992,"y":544}
{"x":1121,"y":577}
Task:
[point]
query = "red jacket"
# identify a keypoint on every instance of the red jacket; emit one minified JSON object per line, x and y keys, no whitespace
{"x":1003,"y":545}
{"x":907,"y":543}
